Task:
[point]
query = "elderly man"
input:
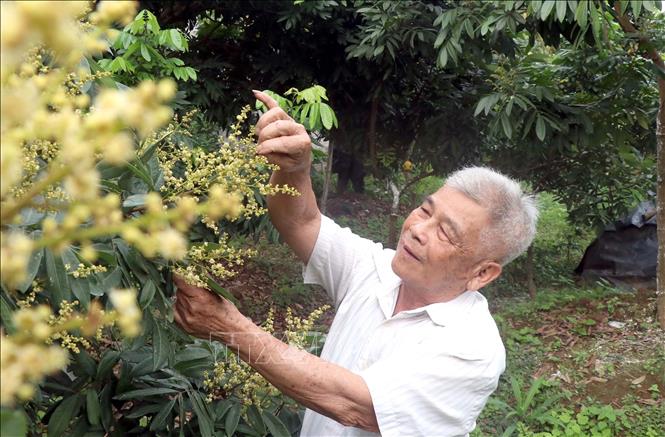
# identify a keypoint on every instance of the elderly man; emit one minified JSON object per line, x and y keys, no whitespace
{"x":413,"y":349}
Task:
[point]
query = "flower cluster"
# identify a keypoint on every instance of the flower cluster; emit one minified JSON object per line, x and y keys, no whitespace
{"x":15,"y":250}
{"x":234,"y":167}
{"x":298,"y":329}
{"x":83,"y":271}
{"x":24,"y":365}
{"x":234,"y":377}
{"x":39,"y":341}
{"x":55,"y":140}
{"x":214,"y":260}
{"x":53,"y":136}
{"x":128,"y":314}
{"x":59,"y":331}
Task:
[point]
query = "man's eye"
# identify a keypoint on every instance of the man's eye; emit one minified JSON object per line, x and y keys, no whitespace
{"x":422,"y":208}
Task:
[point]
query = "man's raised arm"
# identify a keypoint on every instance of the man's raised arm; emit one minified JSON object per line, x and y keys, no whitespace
{"x":287,"y":144}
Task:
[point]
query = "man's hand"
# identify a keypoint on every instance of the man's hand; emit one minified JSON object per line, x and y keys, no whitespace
{"x":283,"y":141}
{"x":204,"y":314}
{"x":317,"y":384}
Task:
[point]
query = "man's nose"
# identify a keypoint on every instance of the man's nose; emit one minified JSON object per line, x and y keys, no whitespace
{"x":419,"y":232}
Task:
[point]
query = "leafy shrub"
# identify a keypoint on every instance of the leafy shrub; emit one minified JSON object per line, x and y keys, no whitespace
{"x":143,"y":51}
{"x":531,"y":407}
{"x":594,"y":421}
{"x":104,"y":195}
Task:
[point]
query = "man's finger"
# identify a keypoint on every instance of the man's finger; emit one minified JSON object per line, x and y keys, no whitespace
{"x":280,"y":128}
{"x":291,"y":145}
{"x":178,"y":280}
{"x":270,"y":117}
{"x":177,"y":318}
{"x":185,"y":288}
{"x":266,"y":99}
{"x":182,"y":300}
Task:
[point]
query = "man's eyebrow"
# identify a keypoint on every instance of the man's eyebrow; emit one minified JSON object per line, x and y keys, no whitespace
{"x":454,"y":227}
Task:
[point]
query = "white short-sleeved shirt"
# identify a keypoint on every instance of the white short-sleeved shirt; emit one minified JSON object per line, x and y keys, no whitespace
{"x":429,"y":370}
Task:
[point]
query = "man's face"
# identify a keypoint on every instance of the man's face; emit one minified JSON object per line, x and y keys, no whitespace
{"x":437,"y":250}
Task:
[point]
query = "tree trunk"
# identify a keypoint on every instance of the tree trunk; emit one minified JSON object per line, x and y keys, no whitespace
{"x":371,"y":134}
{"x":326,"y":180}
{"x":660,"y":204}
{"x":394,"y":210}
{"x":531,"y":283}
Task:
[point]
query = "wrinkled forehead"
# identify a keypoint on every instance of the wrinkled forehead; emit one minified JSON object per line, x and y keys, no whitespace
{"x":461,"y":208}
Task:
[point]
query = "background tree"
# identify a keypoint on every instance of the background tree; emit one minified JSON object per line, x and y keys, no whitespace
{"x":607,"y":27}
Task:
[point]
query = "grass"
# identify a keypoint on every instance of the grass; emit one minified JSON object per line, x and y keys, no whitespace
{"x":564,"y":338}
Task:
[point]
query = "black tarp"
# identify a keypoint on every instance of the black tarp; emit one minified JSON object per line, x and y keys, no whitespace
{"x":625,"y":250}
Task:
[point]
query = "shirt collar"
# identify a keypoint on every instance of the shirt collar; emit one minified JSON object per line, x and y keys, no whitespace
{"x":441,"y":313}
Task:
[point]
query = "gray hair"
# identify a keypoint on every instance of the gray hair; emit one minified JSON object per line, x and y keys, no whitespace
{"x":513,"y":213}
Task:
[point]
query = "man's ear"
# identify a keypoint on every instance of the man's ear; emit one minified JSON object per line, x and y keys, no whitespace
{"x":483,"y":275}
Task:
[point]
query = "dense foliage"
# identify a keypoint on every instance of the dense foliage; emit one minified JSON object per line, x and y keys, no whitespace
{"x":106,"y":194}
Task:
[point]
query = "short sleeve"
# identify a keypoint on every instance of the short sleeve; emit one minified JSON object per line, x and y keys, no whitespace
{"x":339,"y":255}
{"x":440,"y":395}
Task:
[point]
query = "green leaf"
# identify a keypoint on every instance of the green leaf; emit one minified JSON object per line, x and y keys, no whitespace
{"x":314,"y":116}
{"x":547,"y":7}
{"x":326,"y":116}
{"x":161,"y":347}
{"x":112,"y":280}
{"x":176,"y":39}
{"x":442,"y":59}
{"x":231,"y":420}
{"x":255,"y":419}
{"x":145,"y":53}
{"x":132,"y":48}
{"x":58,"y":283}
{"x":540,"y":128}
{"x":581,"y":13}
{"x":143,"y":410}
{"x":147,"y":294}
{"x":221,"y":407}
{"x":134,"y":200}
{"x":31,"y":271}
{"x":275,"y":426}
{"x":62,"y":415}
{"x":302,"y":117}
{"x":144,"y":393}
{"x":107,"y":362}
{"x":206,"y":424}
{"x":160,"y":419}
{"x":140,"y":171}
{"x":81,"y":289}
{"x":13,"y":423}
{"x":191,"y":72}
{"x":507,"y":128}
{"x":650,"y":5}
{"x":595,"y":23}
{"x":480,"y":106}
{"x":93,"y":407}
{"x":561,"y":7}
{"x":468,"y":26}
{"x":214,"y":286}
{"x":6,"y":313}
{"x":87,"y":364}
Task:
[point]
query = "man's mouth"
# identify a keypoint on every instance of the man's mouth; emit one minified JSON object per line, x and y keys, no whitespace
{"x":410,"y":253}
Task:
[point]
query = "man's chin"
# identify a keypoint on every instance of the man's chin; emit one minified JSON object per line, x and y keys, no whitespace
{"x":400,"y":268}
